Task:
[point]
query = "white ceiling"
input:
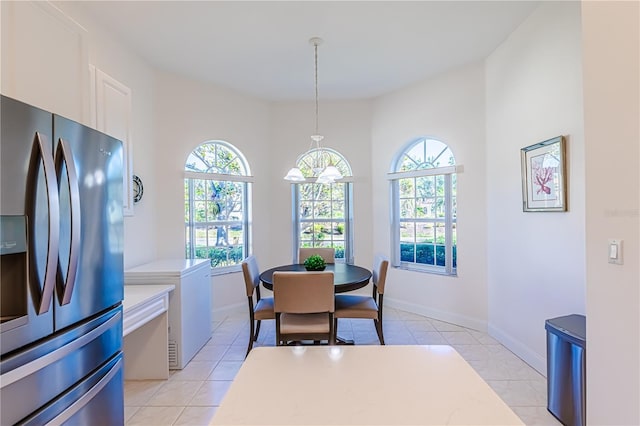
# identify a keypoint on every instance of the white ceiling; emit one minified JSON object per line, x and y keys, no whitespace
{"x":262,"y":47}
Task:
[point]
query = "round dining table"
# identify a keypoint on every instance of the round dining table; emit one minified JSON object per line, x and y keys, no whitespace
{"x":345,"y":277}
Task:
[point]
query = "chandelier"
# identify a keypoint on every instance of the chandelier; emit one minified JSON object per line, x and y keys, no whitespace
{"x":322,"y":166}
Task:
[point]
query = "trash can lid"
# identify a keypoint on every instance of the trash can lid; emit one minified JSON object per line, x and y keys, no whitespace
{"x":572,"y":326}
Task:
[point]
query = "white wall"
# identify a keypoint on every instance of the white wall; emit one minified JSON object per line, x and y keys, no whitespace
{"x":188,"y":113}
{"x":611,"y":50}
{"x":533,"y":87}
{"x":111,"y":57}
{"x":271,"y":136}
{"x":449,"y":108}
{"x":47,"y":35}
{"x":346,"y":128}
{"x":536,"y":259}
{"x":44,"y":59}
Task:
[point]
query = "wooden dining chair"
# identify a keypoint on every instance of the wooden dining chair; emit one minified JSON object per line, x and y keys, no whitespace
{"x":358,"y":306}
{"x":261,"y":308}
{"x":327,"y":253}
{"x":304,"y":304}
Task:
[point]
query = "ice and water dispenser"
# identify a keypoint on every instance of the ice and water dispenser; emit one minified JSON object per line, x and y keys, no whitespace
{"x":13,"y":270}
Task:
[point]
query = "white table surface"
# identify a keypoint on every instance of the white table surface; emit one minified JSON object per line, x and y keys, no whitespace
{"x":360,"y":385}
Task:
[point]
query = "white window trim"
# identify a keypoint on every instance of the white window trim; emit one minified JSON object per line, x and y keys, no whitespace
{"x":348,"y":180}
{"x":394,"y":179}
{"x":218,"y":176}
{"x":345,"y":179}
{"x":348,"y":221}
{"x":424,"y":172}
{"x":246,"y":222}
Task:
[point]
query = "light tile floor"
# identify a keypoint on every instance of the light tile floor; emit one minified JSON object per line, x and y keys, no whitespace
{"x":192,"y":395}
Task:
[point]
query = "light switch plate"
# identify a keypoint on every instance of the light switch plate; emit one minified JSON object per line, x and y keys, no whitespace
{"x":615,"y":251}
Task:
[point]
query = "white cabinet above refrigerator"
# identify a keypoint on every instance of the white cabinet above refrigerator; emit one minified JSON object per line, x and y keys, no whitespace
{"x":190,"y":306}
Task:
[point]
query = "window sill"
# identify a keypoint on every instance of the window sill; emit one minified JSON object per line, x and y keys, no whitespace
{"x":424,"y":270}
{"x":226,"y":270}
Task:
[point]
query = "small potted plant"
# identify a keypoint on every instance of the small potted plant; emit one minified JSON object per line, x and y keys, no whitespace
{"x":315,"y":262}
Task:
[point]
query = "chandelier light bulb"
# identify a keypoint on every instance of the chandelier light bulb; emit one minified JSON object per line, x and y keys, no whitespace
{"x":294,"y":175}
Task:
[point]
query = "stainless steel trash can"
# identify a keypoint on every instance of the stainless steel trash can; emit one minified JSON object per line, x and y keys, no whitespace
{"x":566,"y":393}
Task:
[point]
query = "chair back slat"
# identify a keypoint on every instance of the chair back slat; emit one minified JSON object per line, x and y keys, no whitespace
{"x":303,"y":292}
{"x":327,"y":253}
{"x":380,"y":267}
{"x":251,"y":274}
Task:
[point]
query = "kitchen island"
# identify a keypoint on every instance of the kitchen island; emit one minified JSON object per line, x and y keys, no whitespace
{"x":363,"y":385}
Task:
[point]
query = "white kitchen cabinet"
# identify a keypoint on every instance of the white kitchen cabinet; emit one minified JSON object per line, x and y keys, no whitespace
{"x":111,"y":109}
{"x":190,"y":323}
{"x":45,"y":58}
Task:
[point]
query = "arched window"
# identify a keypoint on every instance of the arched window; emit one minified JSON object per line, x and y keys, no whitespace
{"x":310,"y":163}
{"x":423,"y":190}
{"x":216,"y":192}
{"x":323,"y":213}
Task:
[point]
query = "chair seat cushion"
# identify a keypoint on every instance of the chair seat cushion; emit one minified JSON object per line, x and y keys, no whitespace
{"x":304,"y":323}
{"x":264,"y":309}
{"x":354,"y":306}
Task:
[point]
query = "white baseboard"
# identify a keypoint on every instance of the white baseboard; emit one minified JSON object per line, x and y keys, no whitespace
{"x":539,"y":363}
{"x":453,"y":318}
{"x":220,"y":314}
{"x":523,"y":352}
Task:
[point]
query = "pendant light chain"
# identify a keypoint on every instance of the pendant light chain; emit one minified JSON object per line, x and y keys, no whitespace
{"x":316,"y":83}
{"x":325,"y":174}
{"x":318,"y":165}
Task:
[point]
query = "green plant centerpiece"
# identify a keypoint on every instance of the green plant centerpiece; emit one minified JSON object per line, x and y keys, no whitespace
{"x":315,"y":262}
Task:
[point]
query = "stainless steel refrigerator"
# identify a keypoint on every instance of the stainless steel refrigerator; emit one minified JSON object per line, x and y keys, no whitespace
{"x":61,"y":270}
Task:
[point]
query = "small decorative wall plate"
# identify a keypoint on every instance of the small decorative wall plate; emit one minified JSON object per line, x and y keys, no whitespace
{"x":138,"y":189}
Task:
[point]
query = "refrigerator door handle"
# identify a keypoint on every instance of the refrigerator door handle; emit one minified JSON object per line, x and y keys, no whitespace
{"x":64,"y":156}
{"x":41,"y":151}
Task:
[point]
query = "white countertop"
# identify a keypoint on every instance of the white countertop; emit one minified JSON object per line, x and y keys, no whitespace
{"x":135,"y":295}
{"x":364,"y":385}
{"x":166,"y":266}
{"x":142,"y":303}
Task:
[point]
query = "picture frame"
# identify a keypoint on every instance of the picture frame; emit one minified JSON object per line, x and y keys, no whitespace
{"x":544,"y":182}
